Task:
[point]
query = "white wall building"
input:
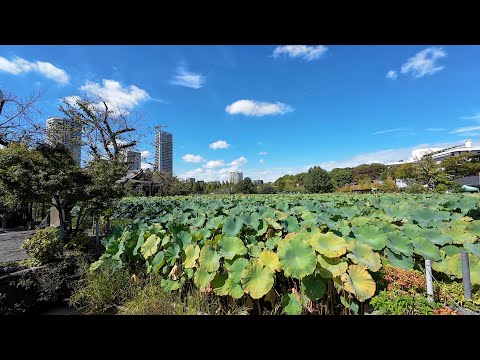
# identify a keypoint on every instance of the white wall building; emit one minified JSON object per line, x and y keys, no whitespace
{"x":236,"y":177}
{"x":65,"y":131}
{"x":439,"y":154}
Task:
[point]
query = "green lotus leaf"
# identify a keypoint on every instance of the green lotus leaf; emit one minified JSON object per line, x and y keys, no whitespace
{"x":359,"y":282}
{"x":231,"y":246}
{"x":474,"y":227}
{"x":362,"y":254}
{"x":399,"y":243}
{"x":291,"y":224}
{"x":411,"y":231}
{"x":149,"y":248}
{"x":231,"y":226}
{"x":272,"y":242}
{"x":192,"y":252}
{"x":474,"y":263}
{"x":459,"y":235}
{"x":273,"y":223}
{"x":436,"y":237}
{"x":308,"y":219}
{"x":230,"y":287}
{"x":197,"y":221}
{"x":313,"y":287}
{"x":189,"y":273}
{"x":280,"y":215}
{"x":184,"y":237}
{"x":371,"y":235}
{"x":425,"y":216}
{"x":297,"y":258}
{"x":170,"y":285}
{"x":328,"y":244}
{"x":158,"y":261}
{"x":360,"y":221}
{"x":450,"y":250}
{"x":399,"y":261}
{"x":215,"y":223}
{"x":202,"y":278}
{"x":291,"y":305}
{"x":254,"y":250}
{"x":165,"y":240}
{"x":236,"y":268}
{"x":251,"y":219}
{"x":331,"y":268}
{"x":263,"y":227}
{"x":426,"y":249}
{"x":202,"y":233}
{"x":257,"y":280}
{"x":269,"y":259}
{"x":473,"y":248}
{"x":209,"y":259}
{"x":140,"y":241}
{"x":172,"y":254}
{"x":218,"y":280}
{"x":451,"y":265}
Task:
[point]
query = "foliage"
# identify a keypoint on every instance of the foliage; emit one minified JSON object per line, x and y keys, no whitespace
{"x":267,"y":188}
{"x":368,"y":172}
{"x":460,"y":166}
{"x":452,"y":295}
{"x":103,"y":289}
{"x":341,"y":176}
{"x":400,"y":303}
{"x":81,"y":242}
{"x":318,"y":180}
{"x":388,"y":186}
{"x":245,"y":186}
{"x":246,"y":247}
{"x":44,"y":246}
{"x":411,"y":281}
{"x":415,"y":188}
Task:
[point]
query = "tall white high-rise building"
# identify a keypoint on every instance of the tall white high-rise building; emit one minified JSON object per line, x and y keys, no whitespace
{"x":67,"y":132}
{"x":164,"y":152}
{"x":134,"y":160}
{"x":236,"y":176}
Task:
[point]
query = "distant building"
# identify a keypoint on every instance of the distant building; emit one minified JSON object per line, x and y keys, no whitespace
{"x":439,"y":154}
{"x":190,"y":180}
{"x":67,"y":132}
{"x":201,"y":182}
{"x":236,"y":177}
{"x":164,"y":152}
{"x":134,"y":160}
{"x":257,"y":182}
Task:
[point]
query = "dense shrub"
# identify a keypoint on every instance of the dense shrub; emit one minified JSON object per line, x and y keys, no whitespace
{"x":44,"y":246}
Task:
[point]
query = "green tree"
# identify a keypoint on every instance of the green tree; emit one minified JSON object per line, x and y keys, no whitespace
{"x":341,"y":176}
{"x":368,"y":172}
{"x":318,"y":180}
{"x":245,"y":186}
{"x":267,"y":188}
{"x":407,"y":172}
{"x":460,"y":166}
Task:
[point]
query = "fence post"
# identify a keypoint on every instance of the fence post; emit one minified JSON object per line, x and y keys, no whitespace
{"x":428,"y":276}
{"x":467,"y":286}
{"x":97,"y":235}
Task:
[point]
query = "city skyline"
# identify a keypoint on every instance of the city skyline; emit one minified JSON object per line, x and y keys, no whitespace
{"x":268,"y":110}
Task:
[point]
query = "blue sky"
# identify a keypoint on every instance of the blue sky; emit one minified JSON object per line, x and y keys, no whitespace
{"x":268,"y":110}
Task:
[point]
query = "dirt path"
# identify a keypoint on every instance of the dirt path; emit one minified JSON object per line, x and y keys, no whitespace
{"x":10,"y":245}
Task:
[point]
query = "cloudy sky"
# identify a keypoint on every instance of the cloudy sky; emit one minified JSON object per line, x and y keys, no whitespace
{"x":267,"y":110}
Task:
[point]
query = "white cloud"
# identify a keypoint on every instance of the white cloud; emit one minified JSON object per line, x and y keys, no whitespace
{"x":435,"y":129}
{"x":305,"y":52}
{"x":475,"y":117}
{"x":72,"y":100}
{"x":220,"y":144}
{"x":257,"y":108}
{"x":192,"y":158}
{"x":145,"y":154}
{"x":145,"y":166}
{"x":386,"y":131}
{"x":192,"y":173}
{"x":115,"y":94}
{"x":261,"y":161}
{"x":214,"y":164}
{"x":19,"y":66}
{"x":263,"y":153}
{"x":392,"y":75}
{"x":424,"y":62}
{"x":465,"y":129}
{"x":238,"y":162}
{"x":188,"y":79}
